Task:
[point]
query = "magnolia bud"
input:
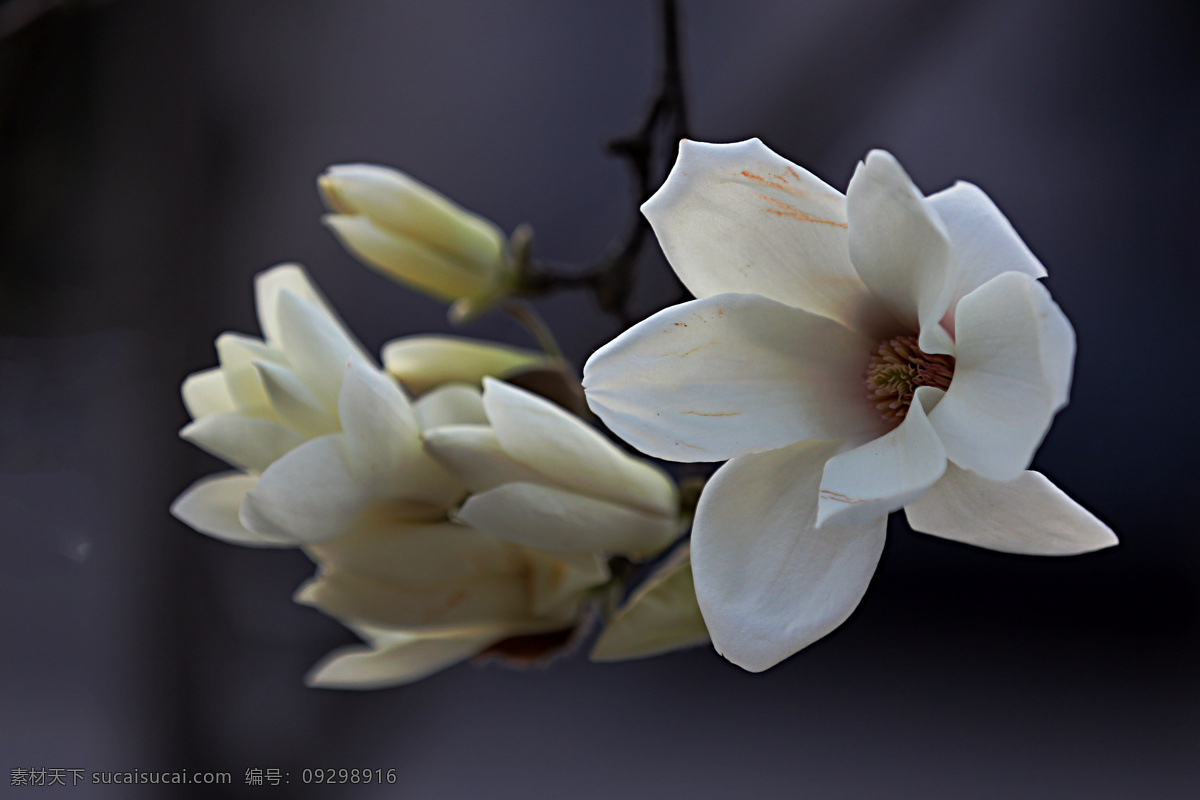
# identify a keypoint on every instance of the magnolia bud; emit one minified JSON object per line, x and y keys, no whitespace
{"x":418,"y":237}
{"x":423,"y":362}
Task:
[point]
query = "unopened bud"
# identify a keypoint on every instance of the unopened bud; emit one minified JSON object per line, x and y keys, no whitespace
{"x":417,"y":236}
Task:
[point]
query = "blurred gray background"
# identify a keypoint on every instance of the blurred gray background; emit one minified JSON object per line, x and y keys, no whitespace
{"x":155,"y":155}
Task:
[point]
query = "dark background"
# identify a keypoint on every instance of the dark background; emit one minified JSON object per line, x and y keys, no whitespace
{"x":155,"y":155}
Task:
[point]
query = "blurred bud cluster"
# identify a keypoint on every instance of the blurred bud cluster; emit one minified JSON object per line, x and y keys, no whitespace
{"x":450,"y":512}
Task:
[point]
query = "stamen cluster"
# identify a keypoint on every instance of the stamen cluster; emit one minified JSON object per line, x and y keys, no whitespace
{"x":897,"y":368}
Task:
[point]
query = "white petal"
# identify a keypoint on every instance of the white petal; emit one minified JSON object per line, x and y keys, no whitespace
{"x":1012,"y":373}
{"x":407,"y":259}
{"x":564,"y":522}
{"x":292,"y":278}
{"x":883,"y":475}
{"x":293,"y":402}
{"x":731,"y":374}
{"x":416,"y":554}
{"x":478,"y":600}
{"x":982,"y":241}
{"x":900,"y":248}
{"x":450,"y":404}
{"x":571,"y":453}
{"x":251,"y":443}
{"x":1056,"y":346}
{"x":423,"y":362}
{"x":383,"y":444}
{"x":237,"y":355}
{"x":382,"y":441}
{"x":739,"y":218}
{"x":205,"y":393}
{"x":308,"y":495}
{"x":660,"y":616}
{"x":316,"y":346}
{"x":210,"y":505}
{"x":768,"y":581}
{"x":473,"y":454}
{"x":398,"y":662}
{"x":1027,"y":515}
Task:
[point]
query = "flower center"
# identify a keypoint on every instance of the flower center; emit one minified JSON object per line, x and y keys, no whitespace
{"x":897,"y":368}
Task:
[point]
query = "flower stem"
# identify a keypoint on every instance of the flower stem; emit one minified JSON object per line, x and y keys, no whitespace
{"x":531,"y":321}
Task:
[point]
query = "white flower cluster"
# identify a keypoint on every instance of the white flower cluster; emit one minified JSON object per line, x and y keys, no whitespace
{"x":848,"y":356}
{"x":461,"y":521}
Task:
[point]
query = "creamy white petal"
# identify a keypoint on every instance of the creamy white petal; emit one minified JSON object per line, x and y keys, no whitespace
{"x":405,"y":258}
{"x":571,"y":453}
{"x":383,"y":444}
{"x":768,"y":581}
{"x":473,"y":454}
{"x":450,"y":404}
{"x":267,"y":286}
{"x":293,"y":402}
{"x":883,"y":475}
{"x":238,"y":354}
{"x":205,"y":393}
{"x":715,"y":378}
{"x":397,"y":202}
{"x":398,"y":662}
{"x":561,"y":521}
{"x":1012,"y":373}
{"x":416,"y":554}
{"x":317,"y":348}
{"x":900,"y":248}
{"x":1027,"y":515}
{"x":1056,"y":346}
{"x":251,"y":443}
{"x":982,"y":241}
{"x":210,"y":505}
{"x":381,"y":432}
{"x":295,"y":279}
{"x":739,"y":218}
{"x":478,"y":600}
{"x":308,"y":495}
{"x":423,"y":362}
{"x":660,"y":616}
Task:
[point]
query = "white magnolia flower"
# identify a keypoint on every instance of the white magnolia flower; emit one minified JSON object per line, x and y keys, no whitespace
{"x":418,"y":237}
{"x":851,"y":355}
{"x":267,"y":397}
{"x":331,"y":457}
